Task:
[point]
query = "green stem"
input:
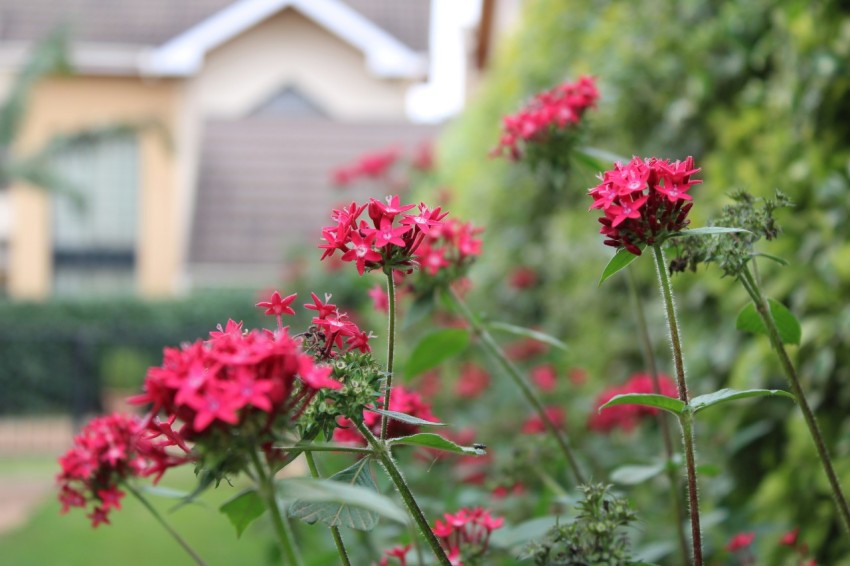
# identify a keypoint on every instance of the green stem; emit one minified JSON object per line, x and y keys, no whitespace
{"x":267,"y":492}
{"x":383,"y":453}
{"x":663,"y":423}
{"x":763,"y":308}
{"x":198,"y":560}
{"x":686,"y":420}
{"x":390,"y":348}
{"x":530,"y":395}
{"x":340,"y":545}
{"x":307,"y":448}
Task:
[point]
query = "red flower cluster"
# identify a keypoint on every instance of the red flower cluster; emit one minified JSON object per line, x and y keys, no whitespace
{"x":627,"y":417}
{"x":467,"y":532}
{"x":644,"y":201}
{"x":333,"y":326}
{"x":545,"y":377}
{"x":368,"y":166}
{"x":450,"y":245}
{"x":399,"y":552}
{"x":106,"y":452}
{"x":473,"y":381}
{"x":401,"y":401}
{"x":383,"y":244}
{"x":739,"y":541}
{"x":549,"y":111}
{"x":221,"y":382}
{"x":535,"y":425}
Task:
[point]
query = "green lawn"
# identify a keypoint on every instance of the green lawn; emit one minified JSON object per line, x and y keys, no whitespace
{"x":134,"y":537}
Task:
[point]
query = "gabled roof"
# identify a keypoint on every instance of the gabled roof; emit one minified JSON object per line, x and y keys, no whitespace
{"x":184,"y":55}
{"x":110,"y":35}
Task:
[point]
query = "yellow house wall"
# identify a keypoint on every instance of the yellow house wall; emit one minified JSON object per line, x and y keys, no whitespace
{"x":290,"y":49}
{"x":68,"y":104}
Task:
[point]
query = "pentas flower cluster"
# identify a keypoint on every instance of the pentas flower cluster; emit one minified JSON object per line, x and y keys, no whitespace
{"x":332,"y":332}
{"x":374,"y":165}
{"x":548,"y":112}
{"x":466,"y":534}
{"x":106,"y":453}
{"x":535,"y":425}
{"x":401,"y":401}
{"x":627,"y":417}
{"x":644,"y":201}
{"x":390,"y":241}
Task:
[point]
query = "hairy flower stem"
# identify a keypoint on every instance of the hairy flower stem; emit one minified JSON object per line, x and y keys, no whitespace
{"x":180,"y":540}
{"x":663,"y":423}
{"x":493,"y":348}
{"x":340,"y":545}
{"x":382,"y":451}
{"x":762,"y":307}
{"x":266,"y":490}
{"x":390,"y":347}
{"x":685,"y":420}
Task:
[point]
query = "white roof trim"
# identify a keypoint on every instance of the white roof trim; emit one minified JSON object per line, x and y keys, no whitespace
{"x":184,"y":55}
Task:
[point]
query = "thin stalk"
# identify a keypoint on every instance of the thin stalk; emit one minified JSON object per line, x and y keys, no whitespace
{"x":790,"y":371}
{"x":493,"y":348}
{"x":267,"y":492}
{"x":663,"y":423}
{"x":307,"y":448}
{"x":685,"y":420}
{"x":390,"y":348}
{"x":413,"y":508}
{"x":180,"y":540}
{"x":340,"y":545}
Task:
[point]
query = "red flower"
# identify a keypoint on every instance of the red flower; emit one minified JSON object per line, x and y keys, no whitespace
{"x":399,"y":552}
{"x":522,"y":278}
{"x":401,"y":401}
{"x":545,"y":377}
{"x":790,"y":538}
{"x":472,"y":382}
{"x":535,"y":425}
{"x":548,"y":113}
{"x":277,"y":306}
{"x":627,"y":417}
{"x":379,"y":297}
{"x":739,"y":541}
{"x":106,"y":452}
{"x":644,"y":201}
{"x":371,"y":165}
{"x":467,"y":532}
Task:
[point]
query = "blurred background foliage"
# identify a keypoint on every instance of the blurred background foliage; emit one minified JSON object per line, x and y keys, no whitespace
{"x":758,"y":93}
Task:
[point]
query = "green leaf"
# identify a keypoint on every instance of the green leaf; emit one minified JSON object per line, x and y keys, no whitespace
{"x":787,"y":324}
{"x":708,"y":231}
{"x":349,"y":499}
{"x":528,"y":333}
{"x":434,"y":349}
{"x":243,"y":509}
{"x":405,"y":418}
{"x":771,"y":257}
{"x":437,"y":442}
{"x":671,"y":404}
{"x":726,"y":395}
{"x":163,"y":491}
{"x":633,"y":475}
{"x":620,"y":260}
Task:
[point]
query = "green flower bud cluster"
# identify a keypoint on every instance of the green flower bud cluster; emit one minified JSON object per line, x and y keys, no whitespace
{"x":363,"y":381}
{"x":731,"y":252}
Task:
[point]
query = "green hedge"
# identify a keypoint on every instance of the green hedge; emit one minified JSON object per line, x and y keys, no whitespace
{"x":57,"y":356}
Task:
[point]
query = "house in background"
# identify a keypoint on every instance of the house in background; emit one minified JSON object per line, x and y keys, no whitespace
{"x":261,"y":98}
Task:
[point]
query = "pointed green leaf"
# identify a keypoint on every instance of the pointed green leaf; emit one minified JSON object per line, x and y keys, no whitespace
{"x":162,"y":491}
{"x":726,"y":395}
{"x":671,"y":404}
{"x":243,"y":509}
{"x":633,"y":475}
{"x":771,"y":257}
{"x":620,"y":261}
{"x":434,"y":349}
{"x":349,"y":498}
{"x":708,"y":231}
{"x":405,"y":418}
{"x":787,"y":324}
{"x":437,"y":442}
{"x":528,"y":333}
